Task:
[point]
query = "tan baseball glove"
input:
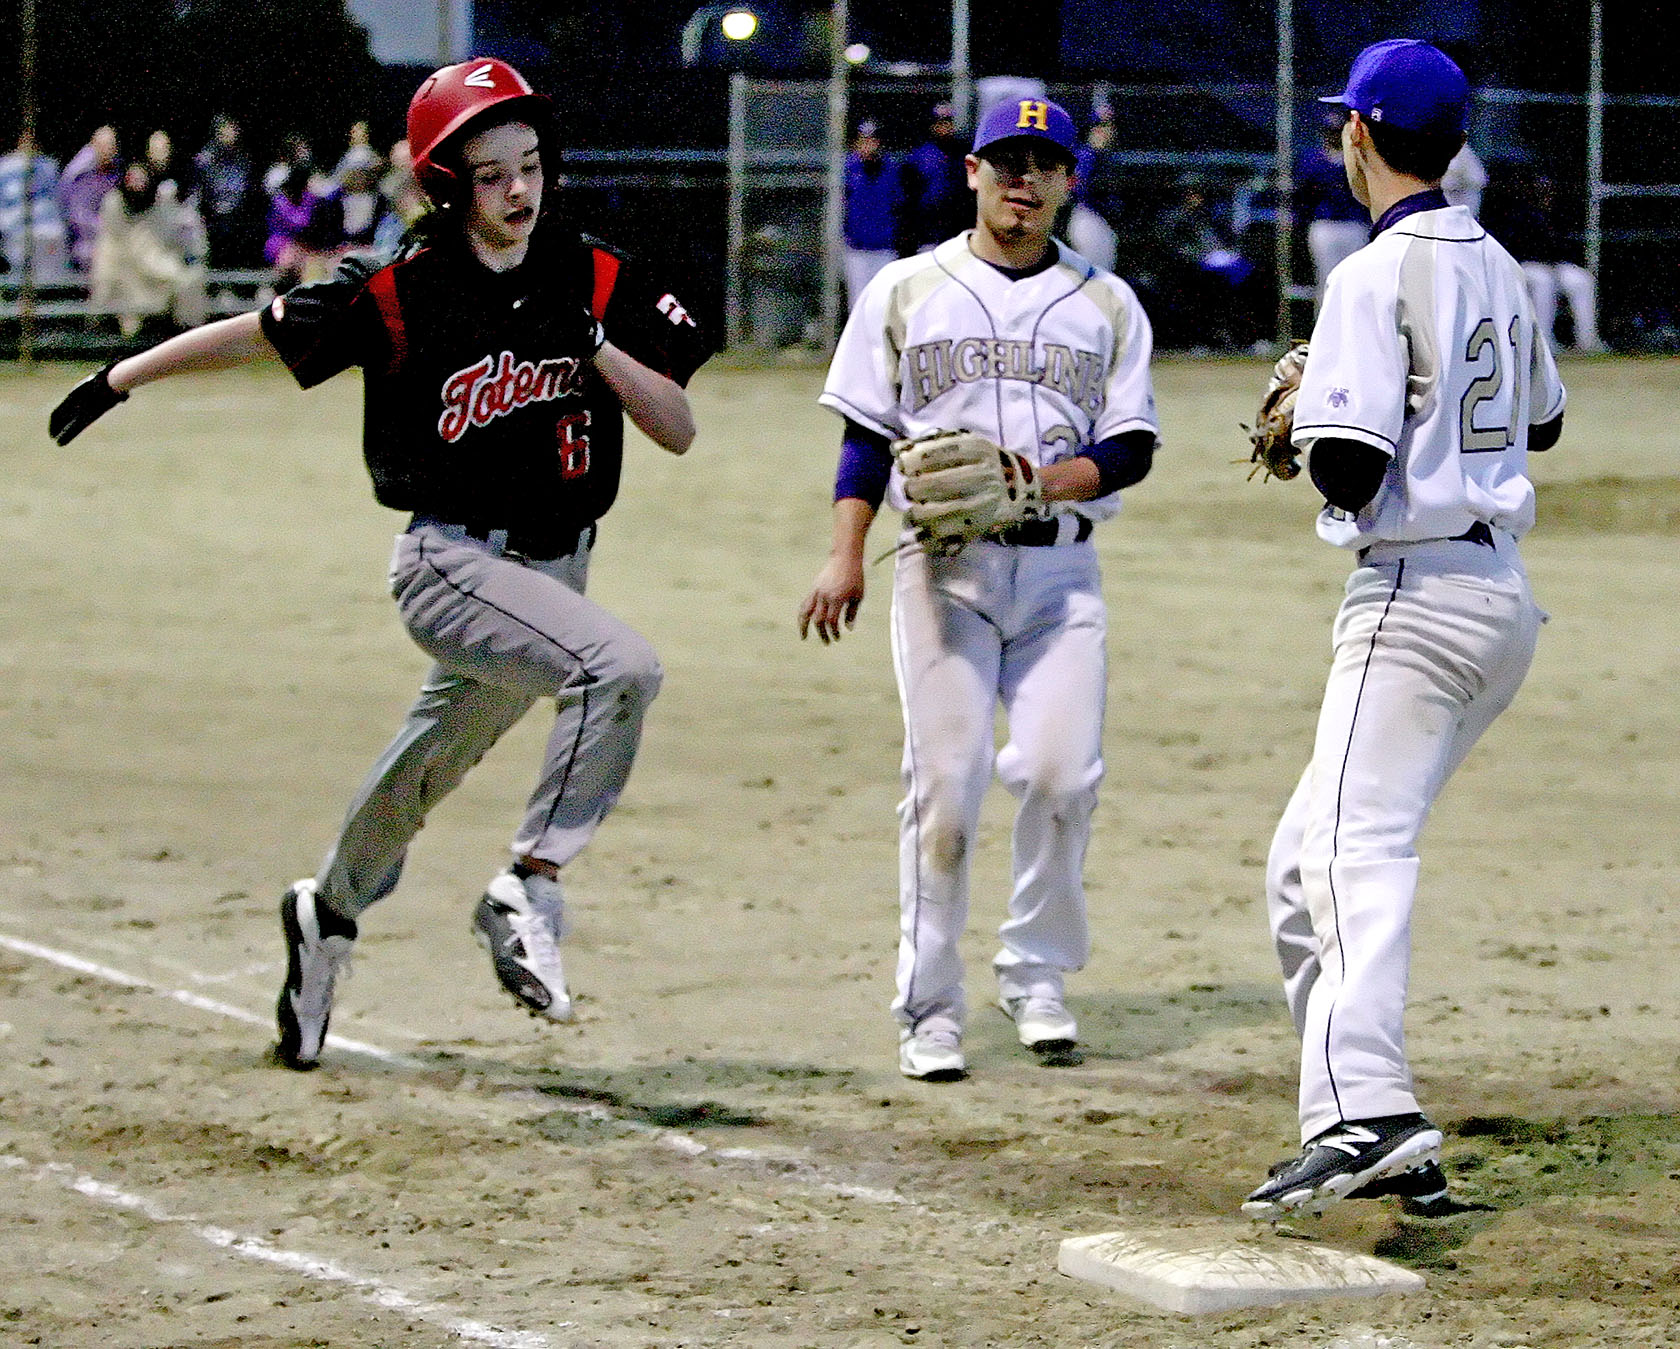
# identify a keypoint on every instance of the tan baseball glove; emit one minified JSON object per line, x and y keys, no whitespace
{"x":963,"y":487}
{"x":1273,"y":454}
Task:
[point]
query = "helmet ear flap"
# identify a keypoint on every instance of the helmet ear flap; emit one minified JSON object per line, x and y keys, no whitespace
{"x":442,"y":185}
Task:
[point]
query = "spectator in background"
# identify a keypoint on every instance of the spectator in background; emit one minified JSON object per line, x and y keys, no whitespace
{"x":172,"y":173}
{"x":1337,"y":224}
{"x":358,"y":151}
{"x":141,"y":266}
{"x":29,"y":212}
{"x":937,"y":199}
{"x":1088,"y":229}
{"x":176,"y":187}
{"x":406,"y":202}
{"x":1522,"y":213}
{"x":874,"y":208}
{"x":290,"y":206}
{"x":293,"y":146}
{"x":1466,"y":180}
{"x":305,"y":223}
{"x":225,"y":198}
{"x":1215,"y":285}
{"x":91,"y":173}
{"x":360,"y":201}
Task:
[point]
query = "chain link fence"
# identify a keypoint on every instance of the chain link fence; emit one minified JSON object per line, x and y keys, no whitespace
{"x":1193,"y":170}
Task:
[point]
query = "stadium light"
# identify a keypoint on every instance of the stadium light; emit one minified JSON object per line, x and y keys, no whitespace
{"x":763,"y":36}
{"x":739,"y":25}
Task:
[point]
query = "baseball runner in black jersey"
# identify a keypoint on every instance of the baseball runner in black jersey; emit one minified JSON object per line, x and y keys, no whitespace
{"x":493,"y":415}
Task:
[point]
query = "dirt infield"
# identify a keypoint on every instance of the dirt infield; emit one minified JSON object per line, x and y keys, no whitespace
{"x":201,"y":661}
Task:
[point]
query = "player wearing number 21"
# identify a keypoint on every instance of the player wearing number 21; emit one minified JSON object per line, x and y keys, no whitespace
{"x":1005,"y":332}
{"x":493,"y":417}
{"x":1426,"y":385}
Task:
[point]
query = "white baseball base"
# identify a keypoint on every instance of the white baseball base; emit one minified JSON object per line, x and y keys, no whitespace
{"x":1218,"y":1267}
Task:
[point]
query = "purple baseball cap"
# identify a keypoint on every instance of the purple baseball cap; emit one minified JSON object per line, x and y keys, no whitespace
{"x":1035,"y":117}
{"x":1409,"y":84}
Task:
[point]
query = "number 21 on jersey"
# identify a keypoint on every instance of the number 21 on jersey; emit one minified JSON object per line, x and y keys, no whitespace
{"x":1490,"y":398}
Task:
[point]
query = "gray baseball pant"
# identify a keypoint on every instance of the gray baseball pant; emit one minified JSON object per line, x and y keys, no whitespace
{"x":504,"y":631}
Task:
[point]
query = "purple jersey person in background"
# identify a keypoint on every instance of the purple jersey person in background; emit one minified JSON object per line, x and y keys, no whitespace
{"x":874,"y":208}
{"x":938,"y":202}
{"x":91,"y":173}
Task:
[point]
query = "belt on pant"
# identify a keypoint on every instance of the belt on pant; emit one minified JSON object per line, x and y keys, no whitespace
{"x":1044,"y":533}
{"x":537,"y":545}
{"x":1480,"y":533}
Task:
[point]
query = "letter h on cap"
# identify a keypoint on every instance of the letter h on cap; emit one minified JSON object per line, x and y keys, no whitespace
{"x":1034,"y":114}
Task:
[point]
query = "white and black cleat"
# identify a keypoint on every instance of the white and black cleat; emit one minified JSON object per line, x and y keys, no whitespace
{"x":1345,"y":1160}
{"x":522,"y":938}
{"x":318,"y":948}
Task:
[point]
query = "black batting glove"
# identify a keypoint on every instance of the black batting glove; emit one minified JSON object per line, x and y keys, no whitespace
{"x":84,"y":405}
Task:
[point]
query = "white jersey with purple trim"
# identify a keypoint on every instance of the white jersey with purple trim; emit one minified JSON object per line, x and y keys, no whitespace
{"x":1427,"y":348}
{"x":1045,"y":364}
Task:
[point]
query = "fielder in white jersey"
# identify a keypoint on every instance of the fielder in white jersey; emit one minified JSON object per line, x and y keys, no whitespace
{"x":1427,"y":383}
{"x":1008,"y":333}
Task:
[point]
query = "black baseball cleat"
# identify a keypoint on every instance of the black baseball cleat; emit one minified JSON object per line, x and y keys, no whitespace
{"x":318,"y":946}
{"x":1425,"y":1185}
{"x":1423,"y":1193}
{"x":1421,"y":1190}
{"x":1356,"y":1157}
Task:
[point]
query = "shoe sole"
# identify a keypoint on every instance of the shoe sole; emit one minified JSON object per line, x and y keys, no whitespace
{"x":1417,"y":1151}
{"x":291,"y":1033}
{"x":935,"y":1074}
{"x":536,"y":1013}
{"x":1060,"y":1048}
{"x":1056,"y":1053}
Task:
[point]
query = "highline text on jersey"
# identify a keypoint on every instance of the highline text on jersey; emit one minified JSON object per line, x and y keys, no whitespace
{"x":935,"y":368}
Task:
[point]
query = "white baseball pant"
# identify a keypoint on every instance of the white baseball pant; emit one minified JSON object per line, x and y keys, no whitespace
{"x":1024,"y":626}
{"x":861,"y":264}
{"x":1546,"y":280}
{"x":1431,"y":643}
{"x":1329,"y":241}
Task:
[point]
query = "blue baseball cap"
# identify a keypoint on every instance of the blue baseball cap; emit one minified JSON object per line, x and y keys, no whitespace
{"x":1409,"y":84}
{"x":1035,"y":117}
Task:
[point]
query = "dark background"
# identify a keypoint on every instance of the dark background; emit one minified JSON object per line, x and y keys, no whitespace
{"x":304,"y":65}
{"x":616,"y":74}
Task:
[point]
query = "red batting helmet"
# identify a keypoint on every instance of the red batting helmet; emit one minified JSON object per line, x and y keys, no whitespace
{"x":456,"y":95}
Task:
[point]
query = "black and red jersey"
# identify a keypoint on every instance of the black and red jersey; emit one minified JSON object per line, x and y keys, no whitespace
{"x":477,"y":407}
